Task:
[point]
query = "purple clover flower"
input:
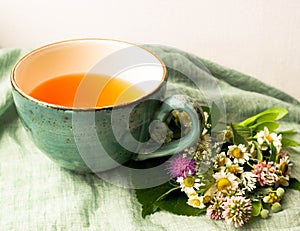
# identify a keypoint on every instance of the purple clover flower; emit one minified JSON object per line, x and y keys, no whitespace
{"x":181,"y":166}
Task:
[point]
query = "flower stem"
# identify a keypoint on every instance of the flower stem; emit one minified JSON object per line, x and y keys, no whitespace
{"x":166,"y":193}
{"x":250,"y":164}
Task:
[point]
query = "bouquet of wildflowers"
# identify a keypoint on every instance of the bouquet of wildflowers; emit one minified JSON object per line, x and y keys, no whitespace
{"x":243,"y":172}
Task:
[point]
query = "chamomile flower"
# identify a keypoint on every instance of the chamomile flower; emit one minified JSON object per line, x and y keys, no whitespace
{"x":196,"y":202}
{"x":284,"y":165}
{"x":191,"y":193}
{"x":225,"y":181}
{"x":189,"y":184}
{"x":233,"y":168}
{"x":221,"y":160}
{"x":249,"y":180}
{"x":282,"y":180}
{"x":252,"y":149}
{"x":204,"y":143}
{"x":265,"y":137}
{"x":239,"y":153}
{"x":237,"y":210}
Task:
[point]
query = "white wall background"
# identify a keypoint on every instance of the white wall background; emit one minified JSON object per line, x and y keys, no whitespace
{"x":257,"y":37}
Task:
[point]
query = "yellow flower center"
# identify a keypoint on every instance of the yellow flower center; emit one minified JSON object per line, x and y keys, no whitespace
{"x":237,"y":153}
{"x":206,"y":199}
{"x":189,"y":181}
{"x":223,"y":183}
{"x":228,"y":134}
{"x":269,"y":138}
{"x":273,"y":198}
{"x":278,"y":158}
{"x":193,"y":194}
{"x":234,"y":169}
{"x":195,"y":202}
{"x":221,"y":161}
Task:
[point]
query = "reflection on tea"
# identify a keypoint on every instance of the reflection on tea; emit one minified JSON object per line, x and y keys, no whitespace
{"x":86,"y":90}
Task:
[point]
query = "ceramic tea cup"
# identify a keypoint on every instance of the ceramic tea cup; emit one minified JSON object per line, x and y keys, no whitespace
{"x":91,"y":138}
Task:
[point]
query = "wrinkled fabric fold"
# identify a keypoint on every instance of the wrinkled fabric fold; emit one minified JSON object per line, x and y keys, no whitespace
{"x":36,"y":194}
{"x":8,"y":57}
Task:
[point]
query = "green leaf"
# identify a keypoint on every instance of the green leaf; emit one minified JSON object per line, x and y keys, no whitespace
{"x":149,"y":196}
{"x":237,"y":138}
{"x":290,"y":132}
{"x":282,"y":112}
{"x":269,"y":124}
{"x":273,"y":153}
{"x":269,"y":113}
{"x":167,"y":193}
{"x":243,"y":131}
{"x":267,"y":117}
{"x":289,"y":143}
{"x":256,"y":208}
{"x":176,"y":203}
{"x":287,"y":138}
{"x":215,"y":114}
{"x":165,"y":197}
{"x":259,"y":154}
{"x":294,"y":184}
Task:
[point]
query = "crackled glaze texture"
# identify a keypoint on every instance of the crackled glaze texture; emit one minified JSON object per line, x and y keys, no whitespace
{"x":71,"y":138}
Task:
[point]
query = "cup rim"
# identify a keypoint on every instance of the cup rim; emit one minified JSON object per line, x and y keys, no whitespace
{"x":95,"y":108}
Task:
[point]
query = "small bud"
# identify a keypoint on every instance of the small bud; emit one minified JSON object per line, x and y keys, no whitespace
{"x":264,"y":213}
{"x":206,"y":199}
{"x":280,"y":192}
{"x":266,"y":199}
{"x":228,"y":134}
{"x":276,"y":207}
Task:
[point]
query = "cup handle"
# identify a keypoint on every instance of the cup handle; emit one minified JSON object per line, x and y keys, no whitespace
{"x":181,"y":103}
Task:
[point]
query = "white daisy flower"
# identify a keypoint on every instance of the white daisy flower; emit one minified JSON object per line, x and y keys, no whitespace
{"x":239,"y":153}
{"x":226,"y":181}
{"x":233,"y":168}
{"x":189,"y":184}
{"x":249,"y":180}
{"x":252,"y":149}
{"x":221,"y":160}
{"x":285,"y":166}
{"x":265,"y":137}
{"x":196,"y":202}
{"x":191,"y":193}
{"x":282,"y":180}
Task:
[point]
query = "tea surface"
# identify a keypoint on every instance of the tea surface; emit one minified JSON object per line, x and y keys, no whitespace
{"x":86,"y":90}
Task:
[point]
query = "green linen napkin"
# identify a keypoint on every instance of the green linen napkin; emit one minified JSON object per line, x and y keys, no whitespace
{"x":36,"y":194}
{"x":8,"y":57}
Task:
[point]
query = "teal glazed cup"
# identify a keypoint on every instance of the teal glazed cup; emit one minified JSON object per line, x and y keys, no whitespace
{"x":96,"y":139}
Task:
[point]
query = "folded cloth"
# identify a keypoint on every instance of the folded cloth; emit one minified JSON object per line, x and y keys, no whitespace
{"x":8,"y":57}
{"x":36,"y":194}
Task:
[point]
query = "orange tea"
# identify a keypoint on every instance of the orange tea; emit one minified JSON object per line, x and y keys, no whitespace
{"x":86,"y":90}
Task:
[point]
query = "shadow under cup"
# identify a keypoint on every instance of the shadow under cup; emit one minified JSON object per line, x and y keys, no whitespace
{"x":89,"y":139}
